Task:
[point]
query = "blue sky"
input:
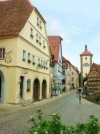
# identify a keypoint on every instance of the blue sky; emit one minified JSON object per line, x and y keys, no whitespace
{"x":77,"y":22}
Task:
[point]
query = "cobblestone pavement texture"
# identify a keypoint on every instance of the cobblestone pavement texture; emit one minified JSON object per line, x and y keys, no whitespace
{"x":14,"y":119}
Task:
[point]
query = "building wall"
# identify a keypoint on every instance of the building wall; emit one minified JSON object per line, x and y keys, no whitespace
{"x":18,"y":68}
{"x":74,"y":78}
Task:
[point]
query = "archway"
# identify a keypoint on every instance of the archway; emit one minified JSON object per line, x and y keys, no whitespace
{"x":36,"y":90}
{"x":44,"y":87}
{"x":2,"y":88}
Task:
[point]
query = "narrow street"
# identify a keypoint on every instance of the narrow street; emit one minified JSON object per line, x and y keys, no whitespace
{"x":67,"y":105}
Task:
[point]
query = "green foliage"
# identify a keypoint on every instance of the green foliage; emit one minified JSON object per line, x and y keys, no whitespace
{"x":55,"y":126}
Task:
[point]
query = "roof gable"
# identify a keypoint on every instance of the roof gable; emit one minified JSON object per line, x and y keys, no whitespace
{"x":55,"y":45}
{"x":94,"y":70}
{"x":13,"y":16}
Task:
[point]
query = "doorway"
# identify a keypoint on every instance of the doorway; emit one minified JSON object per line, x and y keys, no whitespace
{"x":36,"y":90}
{"x":21,"y":86}
{"x":44,"y":85}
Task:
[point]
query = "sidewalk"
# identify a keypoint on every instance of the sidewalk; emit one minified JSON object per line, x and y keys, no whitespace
{"x":6,"y":109}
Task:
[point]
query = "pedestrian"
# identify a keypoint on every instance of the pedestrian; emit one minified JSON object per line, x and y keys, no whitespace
{"x":80,"y":97}
{"x":77,"y":92}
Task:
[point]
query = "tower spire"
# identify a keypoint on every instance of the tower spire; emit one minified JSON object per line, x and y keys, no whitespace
{"x":85,"y":47}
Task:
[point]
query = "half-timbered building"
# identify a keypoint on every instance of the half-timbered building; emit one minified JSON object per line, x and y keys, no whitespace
{"x":93,"y":78}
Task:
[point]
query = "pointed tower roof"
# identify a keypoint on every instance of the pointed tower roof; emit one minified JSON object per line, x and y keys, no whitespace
{"x":86,"y":52}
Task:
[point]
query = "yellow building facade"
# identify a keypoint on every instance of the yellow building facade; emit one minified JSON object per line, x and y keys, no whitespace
{"x":24,"y":62}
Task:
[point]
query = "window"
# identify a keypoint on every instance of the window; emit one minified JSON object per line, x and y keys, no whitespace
{"x":28,"y":85}
{"x":40,"y":25}
{"x":31,"y":32}
{"x":33,"y":59}
{"x":46,"y":65}
{"x":72,"y":78}
{"x":72,"y":73}
{"x":2,"y":53}
{"x":24,"y":55}
{"x":29,"y":61}
{"x":39,"y":62}
{"x":85,"y":58}
{"x":37,"y":21}
{"x":28,"y":56}
{"x":63,"y":72}
{"x":44,"y":44}
{"x":37,"y":38}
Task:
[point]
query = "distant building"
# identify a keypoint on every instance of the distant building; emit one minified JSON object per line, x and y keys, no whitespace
{"x":74,"y":77}
{"x":56,"y":50}
{"x":66,"y":74}
{"x":85,"y":64}
{"x":93,"y":78}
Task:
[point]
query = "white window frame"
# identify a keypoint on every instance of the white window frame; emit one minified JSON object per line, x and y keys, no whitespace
{"x":40,"y":25}
{"x":24,"y":55}
{"x":31,"y":32}
{"x":37,"y":37}
{"x":38,"y":22}
{"x":40,"y":40}
{"x":29,"y":55}
{"x":33,"y":59}
{"x":44,"y":44}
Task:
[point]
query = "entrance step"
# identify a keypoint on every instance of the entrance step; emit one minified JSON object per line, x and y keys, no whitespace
{"x":24,"y":102}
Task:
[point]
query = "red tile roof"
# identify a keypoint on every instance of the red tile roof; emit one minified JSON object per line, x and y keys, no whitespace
{"x":86,"y":52}
{"x":13,"y":16}
{"x":55,"y":43}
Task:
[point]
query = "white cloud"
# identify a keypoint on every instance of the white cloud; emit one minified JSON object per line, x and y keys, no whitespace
{"x":54,"y":27}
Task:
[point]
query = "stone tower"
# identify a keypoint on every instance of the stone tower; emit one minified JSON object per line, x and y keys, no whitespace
{"x":85,"y":63}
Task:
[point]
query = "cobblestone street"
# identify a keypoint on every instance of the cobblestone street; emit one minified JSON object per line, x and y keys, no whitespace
{"x":67,"y":105}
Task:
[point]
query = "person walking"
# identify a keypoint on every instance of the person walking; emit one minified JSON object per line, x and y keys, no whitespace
{"x":80,"y":97}
{"x":77,"y":92}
